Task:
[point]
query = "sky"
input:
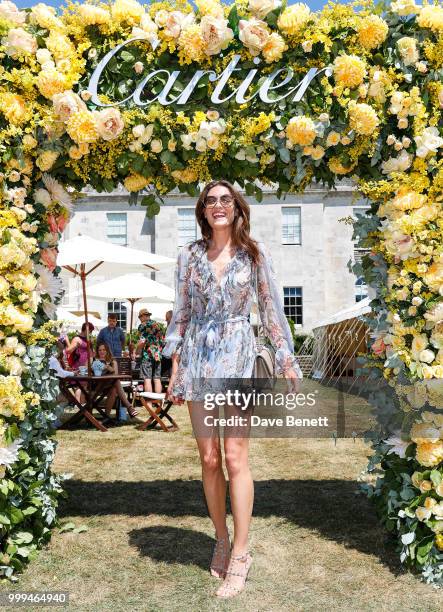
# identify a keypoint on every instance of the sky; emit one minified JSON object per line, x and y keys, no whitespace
{"x":314,"y":5}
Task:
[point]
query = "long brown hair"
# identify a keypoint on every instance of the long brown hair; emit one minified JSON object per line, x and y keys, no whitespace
{"x":109,"y":357}
{"x":241,"y":226}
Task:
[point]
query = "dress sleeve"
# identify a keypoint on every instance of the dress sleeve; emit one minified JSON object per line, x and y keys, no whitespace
{"x":275,"y":325}
{"x":181,"y":313}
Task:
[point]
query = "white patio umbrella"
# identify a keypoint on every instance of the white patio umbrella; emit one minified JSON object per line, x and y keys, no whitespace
{"x":64,"y":314}
{"x":82,"y":255}
{"x":132,"y":287}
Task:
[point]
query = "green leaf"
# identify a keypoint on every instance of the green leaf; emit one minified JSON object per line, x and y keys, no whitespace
{"x":4,"y":519}
{"x":23,"y":537}
{"x":67,"y":527}
{"x":436,"y":477}
{"x":80,"y":529}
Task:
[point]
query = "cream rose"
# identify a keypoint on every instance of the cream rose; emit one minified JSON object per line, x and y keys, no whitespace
{"x":253,"y":34}
{"x":407,"y":47}
{"x":10,"y":12}
{"x":176,"y":22}
{"x":18,"y":42}
{"x":67,"y":103}
{"x":109,"y":123}
{"x":260,"y":8}
{"x":215,"y":33}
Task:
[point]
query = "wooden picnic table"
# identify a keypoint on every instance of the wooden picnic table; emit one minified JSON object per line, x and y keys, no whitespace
{"x":95,"y":389}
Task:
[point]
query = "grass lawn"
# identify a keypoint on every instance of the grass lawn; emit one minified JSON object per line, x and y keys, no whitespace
{"x":316,"y":542}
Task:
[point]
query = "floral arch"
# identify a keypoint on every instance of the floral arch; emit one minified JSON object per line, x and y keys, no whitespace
{"x":254,"y":90}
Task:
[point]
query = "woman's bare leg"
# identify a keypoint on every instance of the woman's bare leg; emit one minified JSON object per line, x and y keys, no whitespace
{"x":241,"y":490}
{"x":214,"y":481}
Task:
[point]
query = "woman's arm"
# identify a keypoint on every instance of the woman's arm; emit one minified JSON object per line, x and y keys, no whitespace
{"x":273,"y":319}
{"x":182,"y":306}
{"x":72,"y":345}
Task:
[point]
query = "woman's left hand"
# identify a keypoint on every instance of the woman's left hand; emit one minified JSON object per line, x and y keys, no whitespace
{"x":293,"y":381}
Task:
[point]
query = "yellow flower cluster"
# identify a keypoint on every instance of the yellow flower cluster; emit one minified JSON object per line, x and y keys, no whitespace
{"x":301,"y":130}
{"x":363,"y":118}
{"x":372,"y":31}
{"x":349,"y":70}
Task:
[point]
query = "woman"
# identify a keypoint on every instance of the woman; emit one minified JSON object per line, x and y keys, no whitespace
{"x":210,"y":337}
{"x":77,"y":350}
{"x":109,"y":366}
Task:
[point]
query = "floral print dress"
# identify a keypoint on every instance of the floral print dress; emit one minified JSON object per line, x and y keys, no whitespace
{"x":210,"y":329}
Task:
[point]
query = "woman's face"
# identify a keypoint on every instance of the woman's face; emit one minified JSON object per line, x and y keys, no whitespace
{"x":222,"y":214}
{"x":102,"y":352}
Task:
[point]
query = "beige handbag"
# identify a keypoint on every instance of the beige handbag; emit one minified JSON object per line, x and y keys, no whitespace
{"x":264,"y":366}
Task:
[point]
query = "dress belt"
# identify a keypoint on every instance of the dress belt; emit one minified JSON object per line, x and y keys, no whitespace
{"x":210,"y":330}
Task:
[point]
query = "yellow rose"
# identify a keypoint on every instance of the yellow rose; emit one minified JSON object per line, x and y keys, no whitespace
{"x":74,"y":153}
{"x":317,"y":152}
{"x":416,"y":479}
{"x":349,"y":70}
{"x":82,"y":127}
{"x":363,"y":118}
{"x":332,"y":139}
{"x":13,"y":106}
{"x":434,"y":276}
{"x":430,"y":454}
{"x":439,"y":541}
{"x":419,"y":343}
{"x":135,"y":182}
{"x":425,"y":486}
{"x":50,"y":82}
{"x":294,"y":18}
{"x":301,"y":130}
{"x":29,"y":142}
{"x":21,"y":321}
{"x":422,"y":513}
{"x":254,"y":34}
{"x":439,"y":489}
{"x":46,"y":160}
{"x":372,"y":31}
{"x":273,"y":48}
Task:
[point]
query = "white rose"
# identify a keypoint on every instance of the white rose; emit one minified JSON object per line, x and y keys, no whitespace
{"x":428,"y":141}
{"x":147,"y":133}
{"x":260,"y":8}
{"x":67,"y":103}
{"x":253,"y":34}
{"x":212,"y":115}
{"x":11,"y":344}
{"x":397,"y":164}
{"x":177,"y":21}
{"x":186,"y":141}
{"x":405,"y":7}
{"x":201,"y":145}
{"x":41,"y":196}
{"x":161,"y":17}
{"x":307,"y":46}
{"x":156,"y":145}
{"x":240,"y":155}
{"x":138,"y":67}
{"x":10,"y":12}
{"x":427,"y":356}
{"x":217,"y":127}
{"x":18,"y":41}
{"x":215,"y":33}
{"x":43,"y":56}
{"x":138,"y":130}
{"x":109,"y":123}
{"x":417,"y":300}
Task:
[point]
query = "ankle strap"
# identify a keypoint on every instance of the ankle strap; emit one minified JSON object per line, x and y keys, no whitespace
{"x":241,"y":557}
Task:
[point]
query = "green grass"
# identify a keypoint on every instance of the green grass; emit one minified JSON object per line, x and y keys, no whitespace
{"x":316,"y":542}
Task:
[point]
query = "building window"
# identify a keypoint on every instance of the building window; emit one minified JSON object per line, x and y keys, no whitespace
{"x":119,"y":308}
{"x":291,"y":225}
{"x":187,"y":226}
{"x":361,"y":289}
{"x":117,"y":231}
{"x":293,"y":304}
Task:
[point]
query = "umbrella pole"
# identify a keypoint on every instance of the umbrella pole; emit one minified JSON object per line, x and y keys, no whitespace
{"x":85,"y":308}
{"x":132,"y":301}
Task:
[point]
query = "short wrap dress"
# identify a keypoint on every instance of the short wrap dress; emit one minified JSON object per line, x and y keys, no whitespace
{"x":209,"y":327}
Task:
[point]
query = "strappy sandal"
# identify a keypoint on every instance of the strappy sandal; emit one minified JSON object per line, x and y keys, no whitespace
{"x":133,"y":412}
{"x":227,"y":589}
{"x":222,"y":548}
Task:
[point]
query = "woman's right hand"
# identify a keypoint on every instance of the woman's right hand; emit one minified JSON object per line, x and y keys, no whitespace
{"x":173,"y":398}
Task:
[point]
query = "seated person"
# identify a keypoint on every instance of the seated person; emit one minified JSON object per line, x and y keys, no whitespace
{"x":57,"y":361}
{"x":106,"y":364}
